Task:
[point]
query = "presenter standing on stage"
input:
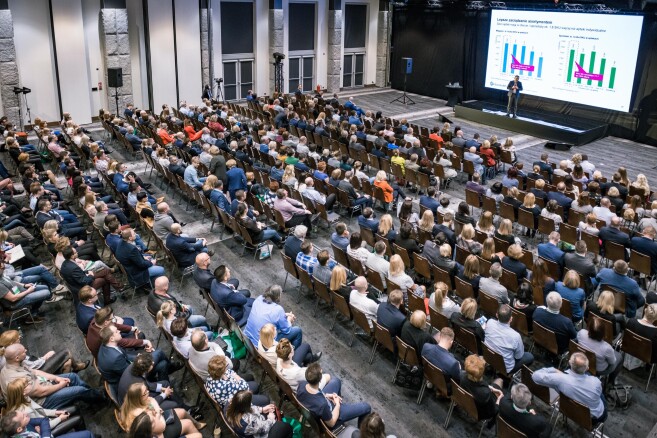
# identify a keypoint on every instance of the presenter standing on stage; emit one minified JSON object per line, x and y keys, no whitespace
{"x":514,"y":87}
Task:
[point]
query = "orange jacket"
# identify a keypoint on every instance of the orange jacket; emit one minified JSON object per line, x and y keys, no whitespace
{"x":165,"y":136}
{"x":387,"y":189}
{"x":193,"y":135}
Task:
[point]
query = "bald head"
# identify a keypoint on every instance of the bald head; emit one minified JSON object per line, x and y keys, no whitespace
{"x":176,"y":229}
{"x":14,"y":353}
{"x":615,"y":222}
{"x":561,"y":187}
{"x":162,"y":283}
{"x":162,"y":207}
{"x":473,"y":150}
{"x":361,"y":284}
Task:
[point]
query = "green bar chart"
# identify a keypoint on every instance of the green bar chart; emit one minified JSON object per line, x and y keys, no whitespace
{"x":595,"y":77}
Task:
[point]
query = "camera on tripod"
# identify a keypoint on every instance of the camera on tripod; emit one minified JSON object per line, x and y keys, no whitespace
{"x":218,"y":80}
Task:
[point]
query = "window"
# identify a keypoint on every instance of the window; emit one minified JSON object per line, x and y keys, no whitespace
{"x":301,"y":46}
{"x":355,"y":40}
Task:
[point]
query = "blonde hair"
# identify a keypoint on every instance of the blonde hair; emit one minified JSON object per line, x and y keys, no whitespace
{"x":89,"y":199}
{"x":418,"y":319}
{"x":650,"y":313}
{"x":426,"y":222}
{"x":396,"y":265}
{"x":338,"y":278}
{"x":385,"y":225}
{"x":267,"y":335}
{"x":440,"y":292}
{"x":133,"y":402}
{"x":467,"y":232}
{"x":15,"y":395}
{"x":380,"y":176}
{"x":469,"y":308}
{"x":485,"y":221}
{"x":51,"y":225}
{"x":210,"y":182}
{"x":445,"y":250}
{"x":166,"y":309}
{"x":571,"y":280}
{"x":488,"y":250}
{"x":514,"y":251}
{"x":529,"y":201}
{"x":606,"y":302}
{"x":288,"y":174}
{"x":506,"y":227}
{"x":471,"y":268}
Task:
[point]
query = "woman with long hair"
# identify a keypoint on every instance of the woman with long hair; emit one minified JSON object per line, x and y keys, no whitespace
{"x":641,"y":183}
{"x":523,"y":301}
{"x":387,"y":229}
{"x":427,"y":223}
{"x":466,"y":319}
{"x":604,"y":308}
{"x":463,"y":214}
{"x":624,"y":180}
{"x":289,"y":177}
{"x":582,"y":203}
{"x":397,"y":274}
{"x":406,"y":213}
{"x":288,"y":369}
{"x":550,"y":212}
{"x":249,"y":420}
{"x":372,"y":426}
{"x":466,"y":240}
{"x":338,"y":282}
{"x":488,"y":251}
{"x":635,"y":203}
{"x":166,"y":315}
{"x":17,"y":400}
{"x":138,"y":400}
{"x":356,"y":249}
{"x":485,"y":223}
{"x":529,"y":204}
{"x":541,"y":281}
{"x":441,"y":302}
{"x":470,"y":273}
{"x":505,"y":232}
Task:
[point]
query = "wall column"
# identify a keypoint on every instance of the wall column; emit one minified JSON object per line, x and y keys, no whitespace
{"x":9,"y":69}
{"x":205,"y":45}
{"x":334,"y":46}
{"x":382,"y":52}
{"x":115,"y":46}
{"x":276,"y":25}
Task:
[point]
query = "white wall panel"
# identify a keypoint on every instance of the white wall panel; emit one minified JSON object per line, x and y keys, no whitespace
{"x":137,"y":53}
{"x":372,"y":29}
{"x":74,"y":82}
{"x":163,"y":69}
{"x":91,"y":13}
{"x":188,"y":43}
{"x":261,"y":49}
{"x":216,"y":40}
{"x":34,"y":55}
{"x":321,"y":62}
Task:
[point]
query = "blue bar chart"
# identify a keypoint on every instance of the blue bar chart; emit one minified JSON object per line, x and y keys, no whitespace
{"x":509,"y":62}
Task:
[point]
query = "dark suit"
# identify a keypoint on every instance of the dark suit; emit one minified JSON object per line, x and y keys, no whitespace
{"x":84,"y":315}
{"x":604,"y":187}
{"x":545,"y":167}
{"x":551,"y":252}
{"x":562,"y":326}
{"x":584,"y":266}
{"x":647,"y":247}
{"x":218,"y":168}
{"x":177,"y":169}
{"x":515,"y":266}
{"x":112,"y":241}
{"x":134,"y":140}
{"x":391,"y":318}
{"x":203,"y":278}
{"x":514,"y":95}
{"x":133,"y":261}
{"x":128,"y":379}
{"x":540,"y":194}
{"x":75,"y":277}
{"x":562,"y":200}
{"x":370,"y":223}
{"x":531,"y":425}
{"x":182,"y":249}
{"x":451,"y":236}
{"x":236,"y":304}
{"x":112,"y":362}
{"x":611,"y":234}
{"x":292,"y":247}
{"x":430,"y":202}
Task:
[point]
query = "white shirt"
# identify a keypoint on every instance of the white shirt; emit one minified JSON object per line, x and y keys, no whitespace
{"x":364,"y":304}
{"x":603,"y":213}
{"x":377,"y":263}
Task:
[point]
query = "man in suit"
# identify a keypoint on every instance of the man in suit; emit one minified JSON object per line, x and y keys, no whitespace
{"x":176,"y":168}
{"x":354,"y":197}
{"x":439,"y":355}
{"x":141,"y":269}
{"x":514,"y":409}
{"x":471,"y":155}
{"x":550,"y":318}
{"x":550,"y":250}
{"x":473,"y":142}
{"x":185,"y":249}
{"x":161,"y":294}
{"x":538,"y":191}
{"x":68,"y":224}
{"x":292,"y":245}
{"x":132,"y":338}
{"x":76,"y":278}
{"x":645,"y":244}
{"x":446,"y":228}
{"x":561,"y":198}
{"x":141,"y":371}
{"x":544,"y":166}
{"x":237,"y":303}
{"x":430,"y":201}
{"x":612,"y":233}
{"x":133,"y":138}
{"x":367,"y":220}
{"x":618,"y":279}
{"x":514,"y":88}
{"x":459,"y":141}
{"x":475,"y":186}
{"x":202,"y":274}
{"x":615,"y":182}
{"x":240,"y":198}
{"x":578,"y":262}
{"x":87,"y":307}
{"x":388,"y":314}
{"x":113,"y":360}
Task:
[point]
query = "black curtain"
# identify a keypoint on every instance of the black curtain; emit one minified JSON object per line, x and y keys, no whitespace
{"x":451,"y":45}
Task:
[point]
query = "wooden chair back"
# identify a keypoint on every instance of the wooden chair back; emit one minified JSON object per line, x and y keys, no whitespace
{"x":374,"y":279}
{"x":406,"y":353}
{"x":607,"y":326}
{"x":415,"y":303}
{"x":403,"y":253}
{"x":436,"y":376}
{"x":637,"y":346}
{"x":545,"y":338}
{"x":519,"y":322}
{"x":361,"y":320}
{"x":574,"y":347}
{"x":340,"y":256}
{"x":640,"y":263}
{"x":505,"y":430}
{"x":576,"y":411}
{"x":464,"y":399}
{"x":383,"y":337}
{"x":488,"y":304}
{"x":422,"y":266}
{"x":341,"y":305}
{"x":614,"y":251}
{"x":463,"y":288}
{"x":466,"y":339}
{"x":495,"y":360}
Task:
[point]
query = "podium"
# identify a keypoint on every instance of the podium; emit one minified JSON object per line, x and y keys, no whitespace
{"x":454,"y":94}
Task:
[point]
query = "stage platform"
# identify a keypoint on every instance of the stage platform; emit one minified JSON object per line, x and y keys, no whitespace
{"x":550,"y":126}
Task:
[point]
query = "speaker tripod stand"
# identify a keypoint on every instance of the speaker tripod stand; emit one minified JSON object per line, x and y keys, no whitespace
{"x":404,"y":99}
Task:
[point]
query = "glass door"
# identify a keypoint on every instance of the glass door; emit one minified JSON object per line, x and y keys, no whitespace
{"x":230,"y":80}
{"x":238,"y":78}
{"x":353,"y":71}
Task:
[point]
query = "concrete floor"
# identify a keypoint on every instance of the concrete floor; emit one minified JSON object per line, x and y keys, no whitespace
{"x":361,"y":381}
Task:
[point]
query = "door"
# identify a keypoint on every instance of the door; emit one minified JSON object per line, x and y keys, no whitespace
{"x":302,"y":71}
{"x":353,"y":70}
{"x":238,"y":78}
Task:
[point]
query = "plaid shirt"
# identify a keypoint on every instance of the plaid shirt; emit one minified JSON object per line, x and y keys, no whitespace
{"x":306,"y":262}
{"x":270,"y":197}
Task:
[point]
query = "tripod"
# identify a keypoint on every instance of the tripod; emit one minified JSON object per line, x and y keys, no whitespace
{"x":278,"y":76}
{"x":116,"y":100}
{"x":219,"y":92}
{"x":404,"y":99}
{"x":27,"y":108}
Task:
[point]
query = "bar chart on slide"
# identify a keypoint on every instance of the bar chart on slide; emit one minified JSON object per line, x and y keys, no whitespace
{"x":515,"y":55}
{"x":586,"y":66}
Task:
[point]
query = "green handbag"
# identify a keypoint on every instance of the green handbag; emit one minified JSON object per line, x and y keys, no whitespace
{"x":297,"y":431}
{"x":235,"y":345}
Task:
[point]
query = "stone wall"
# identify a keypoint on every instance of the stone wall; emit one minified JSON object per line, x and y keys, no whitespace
{"x":8,"y":68}
{"x":334,"y":51}
{"x":382,"y":53}
{"x":116,"y":51}
{"x":275,"y":43}
{"x":205,"y":49}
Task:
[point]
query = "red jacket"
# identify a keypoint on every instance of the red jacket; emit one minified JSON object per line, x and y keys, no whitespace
{"x":193,"y":135}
